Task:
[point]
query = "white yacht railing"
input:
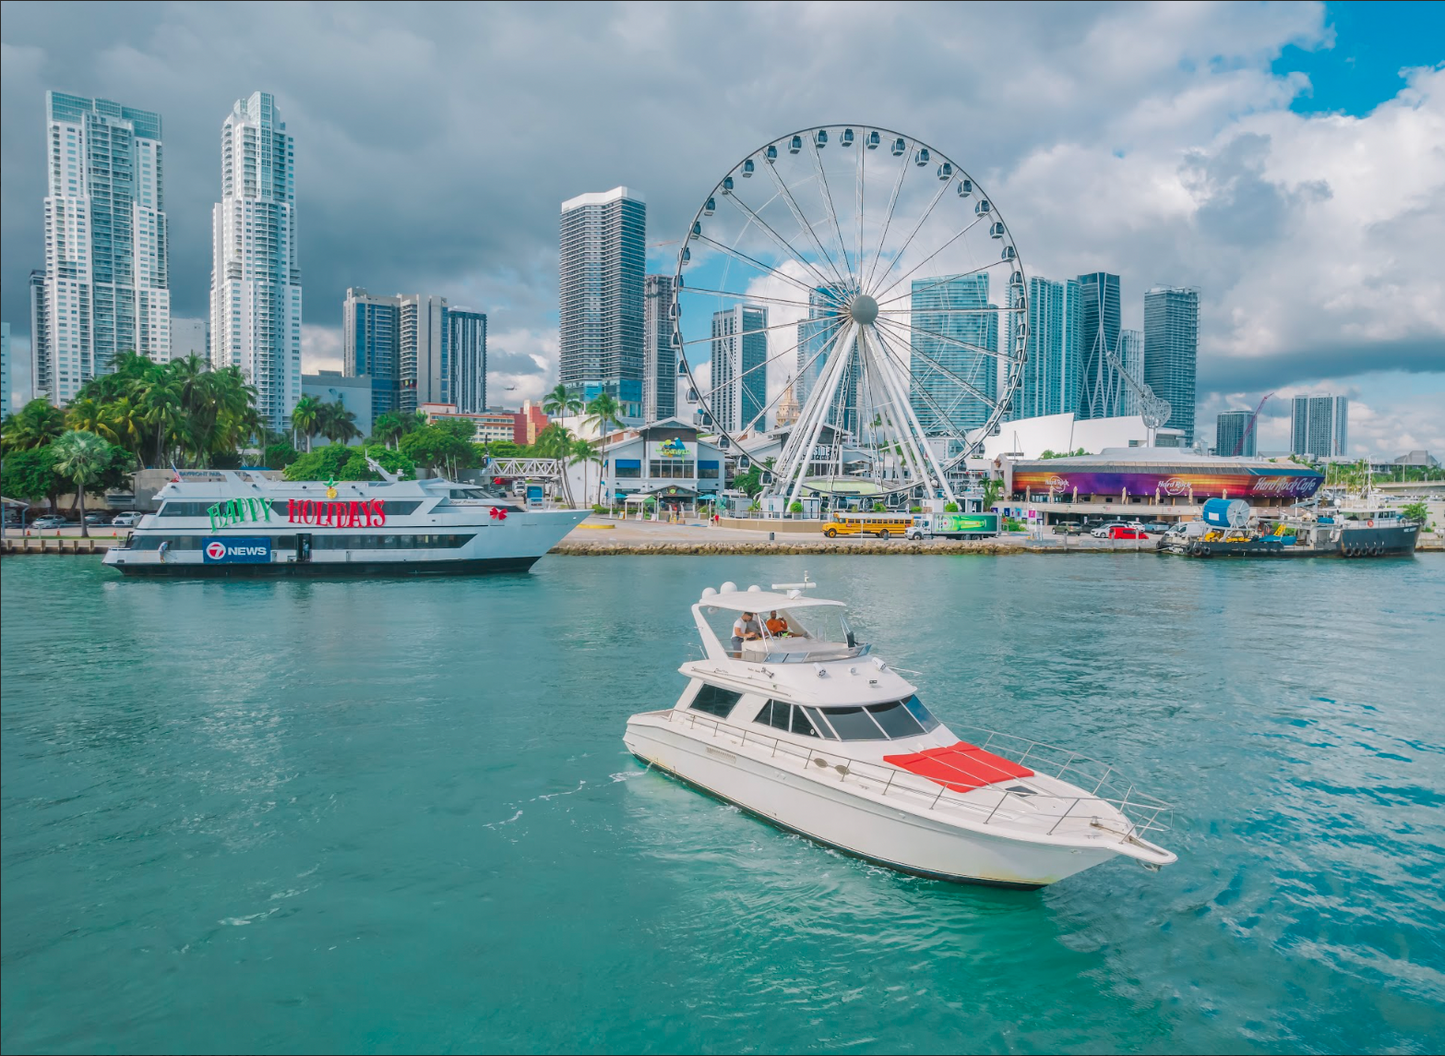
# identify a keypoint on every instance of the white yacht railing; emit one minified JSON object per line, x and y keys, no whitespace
{"x":1141,"y":812}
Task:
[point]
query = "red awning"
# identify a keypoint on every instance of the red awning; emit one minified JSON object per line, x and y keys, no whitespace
{"x":961,"y":767}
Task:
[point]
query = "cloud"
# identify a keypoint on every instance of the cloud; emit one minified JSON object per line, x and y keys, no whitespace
{"x":435,"y":144}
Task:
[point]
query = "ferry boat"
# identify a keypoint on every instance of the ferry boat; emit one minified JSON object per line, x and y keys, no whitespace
{"x":804,"y":727}
{"x":239,"y":523}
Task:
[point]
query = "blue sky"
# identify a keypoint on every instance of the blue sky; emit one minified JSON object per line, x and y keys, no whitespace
{"x":1271,"y":154}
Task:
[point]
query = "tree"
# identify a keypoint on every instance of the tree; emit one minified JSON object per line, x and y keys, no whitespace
{"x":324,"y":463}
{"x":582,"y":451}
{"x":749,"y":481}
{"x":336,"y":423}
{"x":82,"y":458}
{"x":357,"y":468}
{"x":603,"y":412}
{"x":34,"y":425}
{"x":30,"y":475}
{"x":1415,"y":511}
{"x":992,"y":488}
{"x":388,"y":428}
{"x":304,"y":417}
{"x":555,"y":441}
{"x":562,"y":402}
{"x":279,"y":455}
{"x":445,"y":444}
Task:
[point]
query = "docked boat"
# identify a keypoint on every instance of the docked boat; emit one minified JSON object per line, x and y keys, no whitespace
{"x":803,"y":726}
{"x":1229,"y":528}
{"x":239,"y":523}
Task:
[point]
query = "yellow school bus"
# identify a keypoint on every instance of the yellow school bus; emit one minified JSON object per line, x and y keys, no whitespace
{"x":883,"y":525}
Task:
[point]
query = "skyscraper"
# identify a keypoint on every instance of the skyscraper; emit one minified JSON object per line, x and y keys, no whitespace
{"x":416,"y":349}
{"x":1320,"y":426}
{"x":467,"y":351}
{"x":955,"y":353}
{"x":1232,"y":434}
{"x":7,"y":395}
{"x":739,"y":374}
{"x":1171,"y":350}
{"x":255,"y":273}
{"x":659,"y":387}
{"x":816,"y":334}
{"x":1050,"y":383}
{"x":107,"y":285}
{"x":1124,"y":397}
{"x":1099,"y":335}
{"x":42,"y":360}
{"x":603,"y":259}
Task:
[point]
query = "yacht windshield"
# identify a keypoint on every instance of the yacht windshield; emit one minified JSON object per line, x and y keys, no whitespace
{"x":878,"y":722}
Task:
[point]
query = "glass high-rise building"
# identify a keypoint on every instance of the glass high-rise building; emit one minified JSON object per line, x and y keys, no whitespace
{"x":1125,"y":396}
{"x":255,"y":270}
{"x":659,"y":364}
{"x":1320,"y":426}
{"x":816,"y":335}
{"x":1050,"y":381}
{"x":107,"y":276}
{"x":1099,"y":321}
{"x":42,"y":361}
{"x":739,"y":372}
{"x":1171,"y":350}
{"x":955,"y":363}
{"x":370,"y":346}
{"x":1233,"y":435}
{"x":467,"y":355}
{"x":602,"y":268}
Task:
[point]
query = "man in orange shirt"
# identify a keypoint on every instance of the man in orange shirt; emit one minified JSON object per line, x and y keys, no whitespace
{"x":776,"y":625}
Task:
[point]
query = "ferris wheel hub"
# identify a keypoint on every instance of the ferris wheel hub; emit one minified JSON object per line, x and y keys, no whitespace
{"x":864,"y":309}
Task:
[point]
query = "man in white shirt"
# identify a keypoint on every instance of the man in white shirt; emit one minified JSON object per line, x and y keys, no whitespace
{"x":745,"y":629}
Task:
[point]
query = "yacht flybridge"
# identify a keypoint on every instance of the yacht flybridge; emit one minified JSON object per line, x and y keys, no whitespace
{"x":793,"y":719}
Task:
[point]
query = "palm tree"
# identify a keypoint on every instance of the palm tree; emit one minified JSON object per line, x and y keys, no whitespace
{"x":336,"y":423}
{"x":34,"y":425}
{"x":388,"y":428}
{"x":160,"y":404}
{"x":81,"y":457}
{"x":603,"y":411}
{"x":562,"y":402}
{"x":304,"y":418}
{"x":582,"y":451}
{"x":555,"y":441}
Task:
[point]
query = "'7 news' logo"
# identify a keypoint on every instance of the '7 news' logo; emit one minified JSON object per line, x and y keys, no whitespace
{"x":254,"y":551}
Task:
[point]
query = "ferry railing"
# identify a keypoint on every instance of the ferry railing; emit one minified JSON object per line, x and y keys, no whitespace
{"x":1141,"y":812}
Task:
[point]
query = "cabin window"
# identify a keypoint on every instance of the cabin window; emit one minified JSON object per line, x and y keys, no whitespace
{"x":775,"y":714}
{"x":918,"y":711}
{"x":853,"y":724}
{"x":895,"y":719}
{"x":803,"y":724}
{"x":715,"y":701}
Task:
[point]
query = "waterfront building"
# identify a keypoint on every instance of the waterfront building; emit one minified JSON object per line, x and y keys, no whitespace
{"x":191,"y":337}
{"x":487,"y":425}
{"x":467,"y":353}
{"x":1233,"y":434}
{"x":659,"y":385}
{"x":1171,"y":350}
{"x":1320,"y":426}
{"x":255,"y":269}
{"x":107,"y":279}
{"x":1099,"y":324}
{"x":527,"y":423}
{"x":333,"y":386}
{"x":667,"y":461}
{"x":960,"y":345}
{"x":1051,"y":374}
{"x":601,"y":283}
{"x":415,"y":349}
{"x":7,"y":392}
{"x":42,"y":359}
{"x":739,"y":371}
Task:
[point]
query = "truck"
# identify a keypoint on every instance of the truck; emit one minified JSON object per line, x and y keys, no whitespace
{"x":952,"y":526}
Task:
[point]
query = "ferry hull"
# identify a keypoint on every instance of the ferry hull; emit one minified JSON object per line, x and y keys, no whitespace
{"x":828,"y":814}
{"x":329,"y":569}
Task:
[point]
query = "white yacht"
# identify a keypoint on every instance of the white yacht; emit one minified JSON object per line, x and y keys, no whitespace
{"x":803,"y":727}
{"x":237,"y":523}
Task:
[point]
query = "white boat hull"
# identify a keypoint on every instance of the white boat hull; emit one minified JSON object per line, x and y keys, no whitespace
{"x":824,"y":809}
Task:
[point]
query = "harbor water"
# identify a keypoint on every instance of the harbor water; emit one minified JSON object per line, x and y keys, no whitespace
{"x":397,"y":816}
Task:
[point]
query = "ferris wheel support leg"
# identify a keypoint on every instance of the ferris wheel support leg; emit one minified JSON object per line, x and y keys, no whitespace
{"x":905,"y":450}
{"x":820,"y":400}
{"x":914,"y":430}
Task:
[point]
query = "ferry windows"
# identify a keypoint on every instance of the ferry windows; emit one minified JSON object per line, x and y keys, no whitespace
{"x":896,"y":720}
{"x":853,"y":724}
{"x":715,"y":701}
{"x":918,"y":711}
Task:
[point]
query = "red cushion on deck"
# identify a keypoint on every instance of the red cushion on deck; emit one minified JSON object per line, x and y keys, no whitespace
{"x":960,"y":767}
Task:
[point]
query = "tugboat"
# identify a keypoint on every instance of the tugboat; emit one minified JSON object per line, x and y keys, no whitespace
{"x":799,"y":724}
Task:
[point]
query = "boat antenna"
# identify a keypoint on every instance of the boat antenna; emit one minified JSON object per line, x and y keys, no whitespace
{"x":807,"y":584}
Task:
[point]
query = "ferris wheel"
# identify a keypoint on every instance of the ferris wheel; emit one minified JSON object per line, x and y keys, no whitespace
{"x":861,"y":280}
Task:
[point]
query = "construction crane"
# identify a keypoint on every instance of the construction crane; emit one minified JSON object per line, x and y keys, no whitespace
{"x":1249,"y":426}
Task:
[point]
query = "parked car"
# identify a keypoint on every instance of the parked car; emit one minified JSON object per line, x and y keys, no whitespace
{"x":1102,"y":531}
{"x":49,"y":521}
{"x":126,"y":520}
{"x":94,"y":519}
{"x":1127,"y":531}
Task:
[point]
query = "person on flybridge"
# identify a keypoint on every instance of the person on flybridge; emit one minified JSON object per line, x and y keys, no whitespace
{"x":746,"y":629}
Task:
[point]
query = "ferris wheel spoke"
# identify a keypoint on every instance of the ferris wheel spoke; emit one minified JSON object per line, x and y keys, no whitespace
{"x":940,"y":282}
{"x":862,"y":174}
{"x":731,"y":381}
{"x":783,"y":244}
{"x":904,"y":277}
{"x":967,"y":346}
{"x":888,"y":217}
{"x":951,"y":376}
{"x":736,"y":296}
{"x":833,"y":214}
{"x":741,"y":333}
{"x":944,"y":311}
{"x":744,"y":258}
{"x":914,"y":436}
{"x":803,"y":223}
{"x":893,"y":263}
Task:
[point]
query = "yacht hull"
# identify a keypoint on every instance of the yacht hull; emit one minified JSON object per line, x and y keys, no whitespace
{"x":826,"y":812}
{"x":330,"y":569}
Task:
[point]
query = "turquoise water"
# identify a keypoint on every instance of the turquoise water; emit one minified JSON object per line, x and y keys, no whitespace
{"x":398,"y":816}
